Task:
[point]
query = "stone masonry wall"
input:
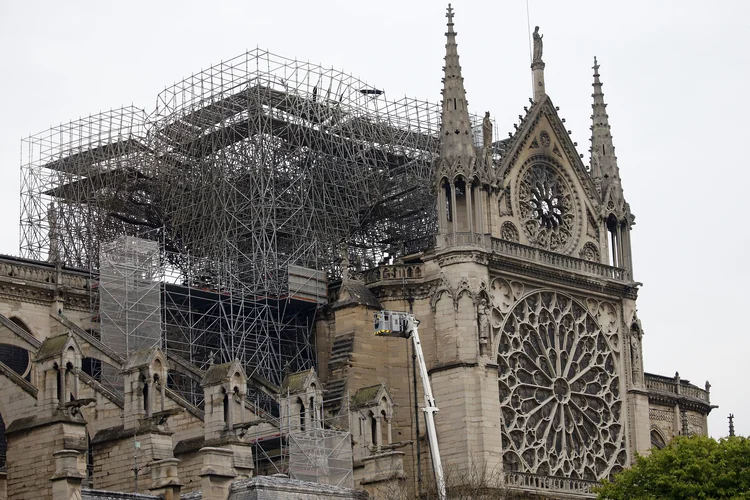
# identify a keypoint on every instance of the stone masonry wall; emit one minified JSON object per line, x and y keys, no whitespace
{"x":30,"y":462}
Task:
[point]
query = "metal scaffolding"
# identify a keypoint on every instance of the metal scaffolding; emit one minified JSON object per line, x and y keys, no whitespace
{"x":250,"y":175}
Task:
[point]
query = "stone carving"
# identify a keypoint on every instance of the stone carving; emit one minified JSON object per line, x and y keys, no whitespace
{"x":592,"y":228}
{"x":505,"y":294}
{"x":483,"y":321}
{"x":547,"y":208}
{"x":559,"y":391}
{"x":538,"y":45}
{"x":504,"y":202}
{"x":534,"y":144}
{"x":635,"y":353}
{"x":545,"y":139}
{"x":590,"y":252}
{"x":487,"y":131}
{"x":556,"y":150}
{"x":508,"y":232}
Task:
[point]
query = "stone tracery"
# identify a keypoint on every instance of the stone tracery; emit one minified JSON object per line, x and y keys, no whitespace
{"x":546,"y":208}
{"x":559,"y":391}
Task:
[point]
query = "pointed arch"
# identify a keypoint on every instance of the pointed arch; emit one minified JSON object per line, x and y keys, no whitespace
{"x":658,"y":440}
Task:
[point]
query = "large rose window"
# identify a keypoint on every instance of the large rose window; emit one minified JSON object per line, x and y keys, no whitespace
{"x":546,"y":206}
{"x":559,"y":391}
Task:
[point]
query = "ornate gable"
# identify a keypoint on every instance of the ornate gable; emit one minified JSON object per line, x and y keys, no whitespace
{"x":549,"y":190}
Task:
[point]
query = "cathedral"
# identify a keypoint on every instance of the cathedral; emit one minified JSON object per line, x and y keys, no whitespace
{"x":527,"y":312}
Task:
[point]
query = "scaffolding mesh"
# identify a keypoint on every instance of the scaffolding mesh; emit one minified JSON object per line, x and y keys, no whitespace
{"x":129,"y":294}
{"x":245,"y":173}
{"x":321,"y":456}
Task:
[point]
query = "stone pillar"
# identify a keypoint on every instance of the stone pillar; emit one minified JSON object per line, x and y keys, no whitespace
{"x":384,"y":475}
{"x":469,"y":211}
{"x":66,"y":482}
{"x":538,"y":70}
{"x":164,"y":479}
{"x":453,"y":208}
{"x":442,"y":212}
{"x":217,"y":473}
{"x":378,"y":437}
{"x":242,"y":460}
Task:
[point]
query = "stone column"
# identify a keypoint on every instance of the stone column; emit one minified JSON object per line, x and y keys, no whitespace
{"x":442,"y":212}
{"x":66,"y":482}
{"x":538,"y":70}
{"x":453,"y":208}
{"x":217,"y":473}
{"x":481,"y":205}
{"x":469,"y":211}
{"x":63,"y":386}
{"x":378,"y":437}
{"x":164,"y":479}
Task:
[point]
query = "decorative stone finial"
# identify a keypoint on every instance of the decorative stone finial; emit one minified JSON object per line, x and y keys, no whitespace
{"x":604,"y":169}
{"x":731,"y":425}
{"x":456,"y":136}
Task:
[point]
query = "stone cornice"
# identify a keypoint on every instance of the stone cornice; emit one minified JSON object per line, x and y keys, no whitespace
{"x":28,"y":423}
{"x":452,"y":365}
{"x":684,"y":402}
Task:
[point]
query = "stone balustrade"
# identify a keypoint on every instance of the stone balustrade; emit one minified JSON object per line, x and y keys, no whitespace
{"x":540,"y":482}
{"x":558,"y":260}
{"x":394,"y":272}
{"x":399,"y":272}
{"x":40,"y":273}
{"x":676,"y":386}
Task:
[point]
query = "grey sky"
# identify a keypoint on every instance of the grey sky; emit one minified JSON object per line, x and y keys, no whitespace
{"x":675,"y":73}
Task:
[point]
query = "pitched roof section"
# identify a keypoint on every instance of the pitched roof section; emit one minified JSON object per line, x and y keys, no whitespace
{"x":525,"y":134}
{"x":354,"y":292}
{"x":369,"y":396}
{"x":141,"y":358}
{"x":218,"y":374}
{"x":297,"y":382}
{"x":52,"y":346}
{"x":455,"y":131}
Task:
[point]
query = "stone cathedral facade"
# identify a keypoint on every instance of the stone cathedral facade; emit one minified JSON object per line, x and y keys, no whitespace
{"x":527,"y":305}
{"x":528,"y":319}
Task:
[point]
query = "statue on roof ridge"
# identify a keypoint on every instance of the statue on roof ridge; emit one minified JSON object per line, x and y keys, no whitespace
{"x":538,"y":45}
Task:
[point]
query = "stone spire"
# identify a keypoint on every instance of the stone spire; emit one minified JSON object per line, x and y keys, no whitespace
{"x":604,"y":168}
{"x":457,"y":139}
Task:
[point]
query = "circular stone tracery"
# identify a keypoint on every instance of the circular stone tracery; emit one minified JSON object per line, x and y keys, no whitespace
{"x":559,"y":391}
{"x":546,"y":208}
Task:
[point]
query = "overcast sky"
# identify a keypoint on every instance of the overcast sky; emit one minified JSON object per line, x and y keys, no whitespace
{"x":675,"y":75}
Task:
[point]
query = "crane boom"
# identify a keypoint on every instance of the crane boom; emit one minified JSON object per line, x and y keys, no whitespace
{"x":405,"y":325}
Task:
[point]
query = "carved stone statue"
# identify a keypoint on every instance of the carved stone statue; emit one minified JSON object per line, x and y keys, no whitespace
{"x":537,"y":45}
{"x":635,"y":355}
{"x":487,"y":131}
{"x":483,"y":319}
{"x":344,"y":254}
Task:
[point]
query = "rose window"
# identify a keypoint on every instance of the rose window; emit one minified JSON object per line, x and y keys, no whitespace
{"x":559,"y":391}
{"x":546,"y":206}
